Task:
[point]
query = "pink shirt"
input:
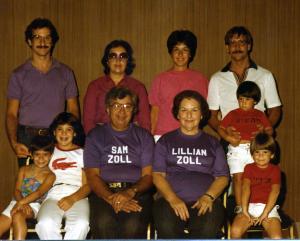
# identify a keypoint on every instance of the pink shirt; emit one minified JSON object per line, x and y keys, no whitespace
{"x":165,"y":87}
{"x":94,"y":107}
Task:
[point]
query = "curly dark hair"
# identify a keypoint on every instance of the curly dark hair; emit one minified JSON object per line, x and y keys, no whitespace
{"x":70,"y":119}
{"x":191,"y":94}
{"x":44,"y":143}
{"x":183,"y":36}
{"x":118,"y":43}
{"x":121,"y":93}
{"x":41,"y":23}
{"x":239,"y":30}
{"x":250,"y":90}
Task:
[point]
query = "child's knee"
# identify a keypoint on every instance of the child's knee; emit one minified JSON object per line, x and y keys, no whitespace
{"x":236,"y":232}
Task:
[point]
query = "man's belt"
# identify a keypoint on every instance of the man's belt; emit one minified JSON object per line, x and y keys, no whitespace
{"x":118,"y":185}
{"x":33,"y":131}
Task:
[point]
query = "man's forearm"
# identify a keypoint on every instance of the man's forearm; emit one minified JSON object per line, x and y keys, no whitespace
{"x":274,"y":115}
{"x":214,"y":121}
{"x":11,"y":129}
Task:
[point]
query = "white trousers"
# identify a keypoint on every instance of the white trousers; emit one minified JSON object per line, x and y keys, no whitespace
{"x":50,"y":220}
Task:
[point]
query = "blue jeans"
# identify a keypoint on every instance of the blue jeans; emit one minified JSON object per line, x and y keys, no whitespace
{"x":170,"y":226}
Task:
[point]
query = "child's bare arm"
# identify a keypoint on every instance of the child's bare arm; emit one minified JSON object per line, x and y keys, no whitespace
{"x":67,"y":202}
{"x":233,"y":140}
{"x":18,"y":193}
{"x":245,"y":196}
{"x":43,"y":188}
{"x":275,"y":189}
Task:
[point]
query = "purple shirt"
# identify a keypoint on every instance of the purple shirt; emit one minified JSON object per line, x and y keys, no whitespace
{"x":94,"y":110}
{"x":41,"y":95}
{"x":120,"y":155}
{"x":191,"y":163}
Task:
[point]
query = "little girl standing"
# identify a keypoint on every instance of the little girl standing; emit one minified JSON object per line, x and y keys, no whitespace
{"x":68,"y":197}
{"x":33,"y":182}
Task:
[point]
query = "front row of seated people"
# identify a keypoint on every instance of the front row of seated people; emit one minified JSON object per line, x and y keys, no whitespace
{"x":121,"y":162}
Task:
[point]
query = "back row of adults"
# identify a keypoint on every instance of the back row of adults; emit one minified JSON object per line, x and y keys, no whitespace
{"x":42,"y":87}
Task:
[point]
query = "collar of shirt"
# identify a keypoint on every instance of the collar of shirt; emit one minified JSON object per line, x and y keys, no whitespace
{"x":227,"y":66}
{"x":29,"y":66}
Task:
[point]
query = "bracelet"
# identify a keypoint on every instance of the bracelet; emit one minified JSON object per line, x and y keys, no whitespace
{"x":210,"y":196}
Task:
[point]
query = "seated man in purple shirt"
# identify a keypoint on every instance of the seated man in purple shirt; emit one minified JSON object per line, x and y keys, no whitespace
{"x":190,"y":172}
{"x":118,"y":163}
{"x":38,"y":90}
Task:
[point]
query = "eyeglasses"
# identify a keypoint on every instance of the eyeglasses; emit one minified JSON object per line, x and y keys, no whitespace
{"x":238,"y":42}
{"x":118,"y":107}
{"x":121,"y":57}
{"x":37,"y":37}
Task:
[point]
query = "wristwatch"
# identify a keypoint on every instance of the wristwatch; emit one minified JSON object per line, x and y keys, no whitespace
{"x":238,"y":209}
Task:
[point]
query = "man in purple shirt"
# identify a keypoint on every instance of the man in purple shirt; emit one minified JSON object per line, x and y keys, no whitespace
{"x":38,"y":90}
{"x":118,"y":164}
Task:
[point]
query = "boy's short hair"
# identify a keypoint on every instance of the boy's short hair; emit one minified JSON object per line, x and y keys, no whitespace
{"x":44,"y":143}
{"x":263,"y":141}
{"x":250,"y":90}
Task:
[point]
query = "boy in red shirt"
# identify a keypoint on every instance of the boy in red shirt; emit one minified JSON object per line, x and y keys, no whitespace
{"x":248,"y":121}
{"x":261,"y":187}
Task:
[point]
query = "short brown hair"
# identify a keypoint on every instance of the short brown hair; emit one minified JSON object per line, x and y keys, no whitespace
{"x":263,"y":141}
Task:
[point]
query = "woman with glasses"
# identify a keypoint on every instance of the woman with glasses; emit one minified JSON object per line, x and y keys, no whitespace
{"x":190,"y":172}
{"x":118,"y":65}
{"x":118,"y":163}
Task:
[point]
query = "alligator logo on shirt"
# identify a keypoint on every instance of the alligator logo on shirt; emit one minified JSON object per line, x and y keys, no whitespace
{"x":60,"y":164}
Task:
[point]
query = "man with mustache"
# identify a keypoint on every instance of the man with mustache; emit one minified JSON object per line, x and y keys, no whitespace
{"x":223,"y":84}
{"x":38,"y":90}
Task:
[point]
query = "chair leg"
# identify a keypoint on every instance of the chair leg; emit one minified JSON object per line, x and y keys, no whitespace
{"x":149,"y":232}
{"x":228,"y":230}
{"x":292,"y":232}
{"x":11,"y":234}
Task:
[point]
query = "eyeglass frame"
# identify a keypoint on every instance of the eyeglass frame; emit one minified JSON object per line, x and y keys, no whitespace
{"x":122,"y":57}
{"x":118,"y":107}
{"x":47,"y":38}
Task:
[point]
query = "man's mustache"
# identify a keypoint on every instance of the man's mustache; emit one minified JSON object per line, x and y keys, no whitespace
{"x":237,"y":52}
{"x":43,"y":47}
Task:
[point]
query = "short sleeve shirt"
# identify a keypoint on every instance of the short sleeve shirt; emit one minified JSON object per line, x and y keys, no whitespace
{"x":261,"y":181}
{"x":165,"y":87}
{"x":41,"y":95}
{"x":120,"y":155}
{"x":223,"y":86}
{"x":191,"y":163}
{"x":245,"y":122}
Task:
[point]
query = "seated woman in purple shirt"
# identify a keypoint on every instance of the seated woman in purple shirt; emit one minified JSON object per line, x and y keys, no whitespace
{"x":118,"y":163}
{"x":118,"y":65}
{"x":190,"y":172}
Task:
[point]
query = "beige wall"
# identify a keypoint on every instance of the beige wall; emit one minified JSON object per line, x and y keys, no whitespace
{"x":86,"y":26}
